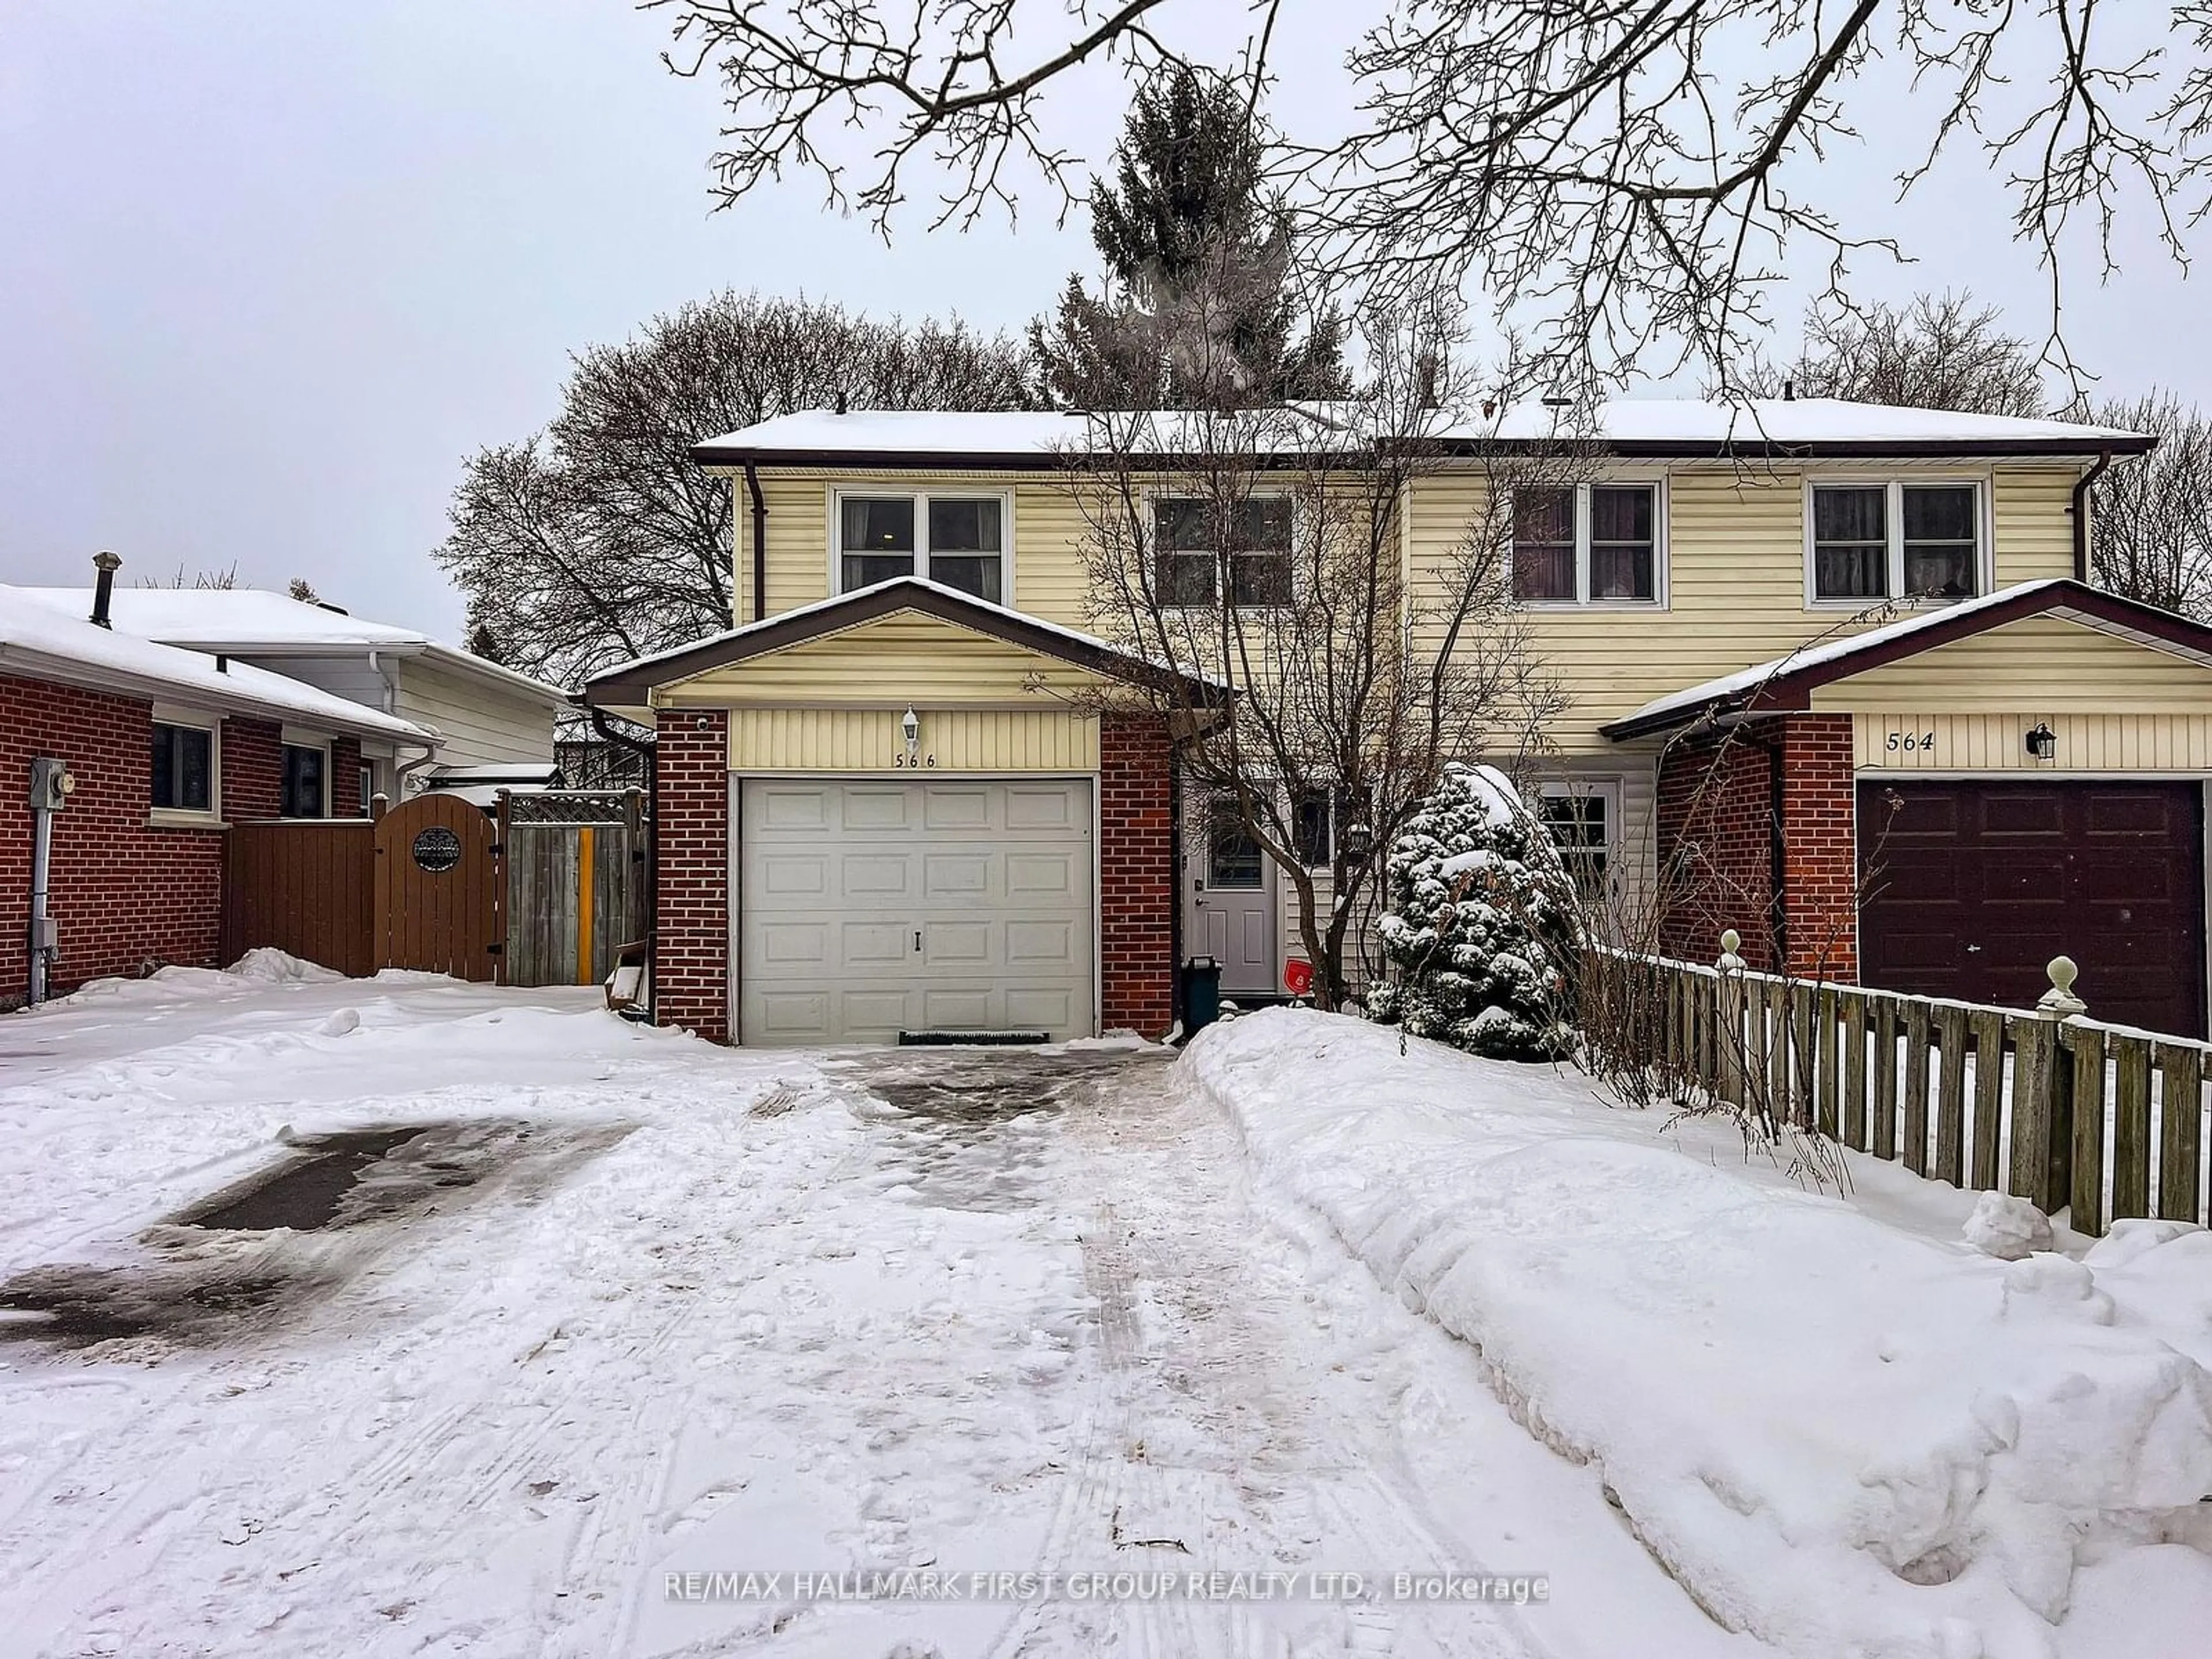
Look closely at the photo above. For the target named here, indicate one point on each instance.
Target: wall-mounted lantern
(910, 727)
(2042, 742)
(1358, 840)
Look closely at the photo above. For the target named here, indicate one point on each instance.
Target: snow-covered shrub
(1480, 924)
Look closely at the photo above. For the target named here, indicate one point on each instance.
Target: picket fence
(2061, 1110)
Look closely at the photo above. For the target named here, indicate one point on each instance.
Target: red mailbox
(1298, 977)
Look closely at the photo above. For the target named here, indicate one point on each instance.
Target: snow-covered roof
(255, 620)
(1655, 426)
(40, 640)
(2057, 595)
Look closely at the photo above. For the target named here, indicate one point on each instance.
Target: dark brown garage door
(1972, 887)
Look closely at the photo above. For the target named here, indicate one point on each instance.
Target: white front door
(1233, 901)
(866, 908)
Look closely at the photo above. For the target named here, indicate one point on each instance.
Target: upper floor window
(307, 769)
(1587, 544)
(958, 540)
(1200, 542)
(184, 769)
(1883, 541)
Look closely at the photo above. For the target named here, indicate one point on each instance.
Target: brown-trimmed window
(1205, 546)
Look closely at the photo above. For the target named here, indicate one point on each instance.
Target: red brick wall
(1136, 876)
(691, 847)
(125, 896)
(1715, 826)
(1715, 872)
(252, 770)
(1820, 860)
(345, 778)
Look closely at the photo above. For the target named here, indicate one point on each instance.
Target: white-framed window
(1583, 816)
(186, 781)
(1209, 549)
(1867, 540)
(305, 776)
(960, 538)
(1601, 543)
(368, 788)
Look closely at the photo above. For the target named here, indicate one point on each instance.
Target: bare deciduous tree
(1636, 171)
(600, 538)
(1264, 548)
(1937, 352)
(200, 582)
(2151, 516)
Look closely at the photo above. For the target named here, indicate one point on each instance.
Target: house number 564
(1911, 743)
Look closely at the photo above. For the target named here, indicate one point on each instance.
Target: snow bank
(1840, 1437)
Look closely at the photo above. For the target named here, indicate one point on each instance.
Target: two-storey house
(1833, 674)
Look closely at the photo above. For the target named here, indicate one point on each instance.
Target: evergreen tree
(1480, 924)
(1198, 306)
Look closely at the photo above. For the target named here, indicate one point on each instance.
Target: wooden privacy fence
(418, 886)
(308, 888)
(576, 882)
(2047, 1104)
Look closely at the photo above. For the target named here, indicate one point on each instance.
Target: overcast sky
(267, 276)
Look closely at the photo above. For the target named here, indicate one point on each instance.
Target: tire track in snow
(1204, 1423)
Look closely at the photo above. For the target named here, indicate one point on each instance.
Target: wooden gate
(439, 907)
(575, 882)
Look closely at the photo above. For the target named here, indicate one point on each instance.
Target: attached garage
(872, 908)
(1973, 885)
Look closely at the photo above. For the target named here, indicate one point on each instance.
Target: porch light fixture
(910, 725)
(1358, 840)
(2042, 742)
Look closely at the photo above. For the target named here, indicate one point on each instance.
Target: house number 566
(1911, 743)
(902, 761)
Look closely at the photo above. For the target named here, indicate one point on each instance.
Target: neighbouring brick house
(165, 748)
(1830, 675)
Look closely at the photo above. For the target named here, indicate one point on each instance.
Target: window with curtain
(875, 538)
(1623, 561)
(1851, 542)
(1544, 545)
(1895, 540)
(965, 550)
(1942, 540)
(1197, 542)
(956, 540)
(1598, 542)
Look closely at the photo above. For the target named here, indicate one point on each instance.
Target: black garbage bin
(1202, 993)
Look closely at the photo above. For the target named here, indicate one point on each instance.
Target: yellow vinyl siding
(1047, 534)
(1997, 742)
(870, 740)
(1735, 586)
(2040, 662)
(2033, 513)
(905, 658)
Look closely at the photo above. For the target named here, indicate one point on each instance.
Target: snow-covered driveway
(719, 1313)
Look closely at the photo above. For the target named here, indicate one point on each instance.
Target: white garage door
(868, 908)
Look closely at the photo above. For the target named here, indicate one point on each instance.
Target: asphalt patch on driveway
(242, 1260)
(974, 1127)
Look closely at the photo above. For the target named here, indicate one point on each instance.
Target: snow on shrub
(1480, 924)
